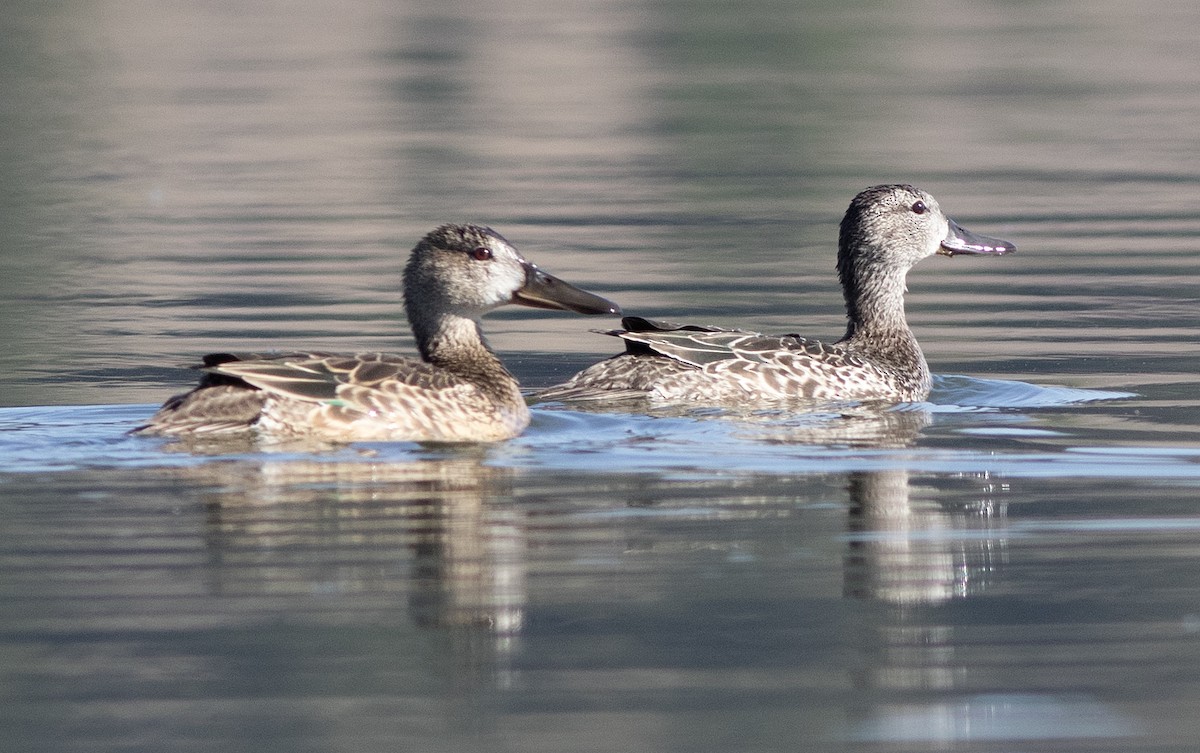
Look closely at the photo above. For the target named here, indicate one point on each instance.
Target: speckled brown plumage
(459, 391)
(885, 231)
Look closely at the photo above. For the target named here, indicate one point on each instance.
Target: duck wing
(701, 346)
(329, 377)
(701, 363)
(376, 396)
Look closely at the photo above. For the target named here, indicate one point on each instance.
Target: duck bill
(959, 240)
(545, 291)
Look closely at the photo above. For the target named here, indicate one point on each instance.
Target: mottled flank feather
(458, 392)
(692, 364)
(363, 397)
(886, 230)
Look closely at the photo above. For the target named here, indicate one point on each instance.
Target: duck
(885, 231)
(457, 391)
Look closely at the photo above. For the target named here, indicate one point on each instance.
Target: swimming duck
(458, 391)
(885, 231)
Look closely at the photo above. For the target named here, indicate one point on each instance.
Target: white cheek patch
(506, 279)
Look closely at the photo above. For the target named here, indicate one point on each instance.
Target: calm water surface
(1012, 566)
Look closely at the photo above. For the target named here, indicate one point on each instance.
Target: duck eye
(919, 207)
(482, 253)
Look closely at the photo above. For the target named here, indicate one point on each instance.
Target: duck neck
(457, 345)
(876, 320)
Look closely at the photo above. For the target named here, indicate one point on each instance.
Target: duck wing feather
(328, 377)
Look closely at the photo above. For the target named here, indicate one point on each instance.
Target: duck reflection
(438, 535)
(910, 549)
(909, 552)
(914, 541)
(907, 545)
(859, 427)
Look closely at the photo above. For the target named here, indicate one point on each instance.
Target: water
(1010, 566)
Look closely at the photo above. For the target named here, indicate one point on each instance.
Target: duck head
(895, 226)
(889, 228)
(468, 270)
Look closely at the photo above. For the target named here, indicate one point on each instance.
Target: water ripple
(972, 392)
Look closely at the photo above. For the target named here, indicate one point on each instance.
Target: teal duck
(459, 391)
(885, 231)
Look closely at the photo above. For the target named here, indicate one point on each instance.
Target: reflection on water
(424, 587)
(910, 554)
(907, 552)
(442, 535)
